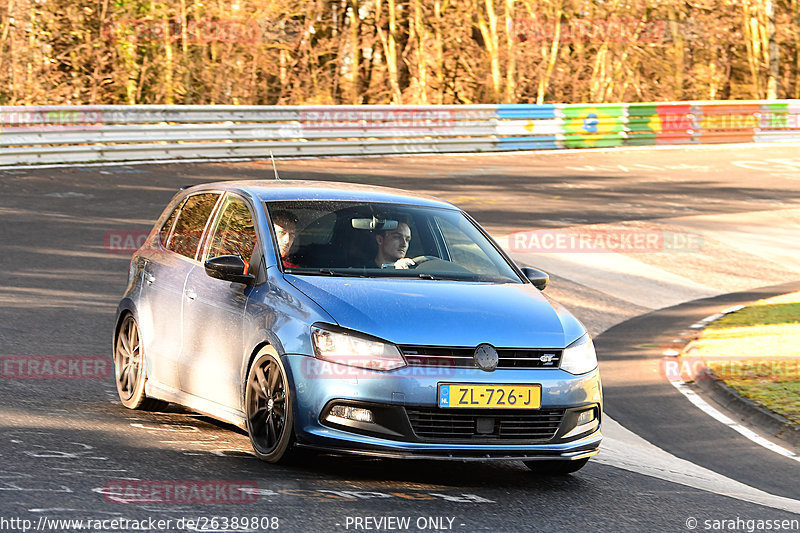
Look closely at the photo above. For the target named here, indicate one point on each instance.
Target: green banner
(644, 124)
(593, 126)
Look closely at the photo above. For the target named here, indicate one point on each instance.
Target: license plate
(494, 396)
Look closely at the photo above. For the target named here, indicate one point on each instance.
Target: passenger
(393, 245)
(285, 224)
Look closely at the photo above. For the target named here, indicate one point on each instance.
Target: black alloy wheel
(268, 409)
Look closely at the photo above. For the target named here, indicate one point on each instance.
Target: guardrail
(75, 134)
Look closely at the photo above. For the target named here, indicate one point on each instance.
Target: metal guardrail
(75, 134)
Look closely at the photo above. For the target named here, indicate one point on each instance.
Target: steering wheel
(431, 263)
(423, 259)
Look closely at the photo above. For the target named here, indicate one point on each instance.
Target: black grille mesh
(463, 424)
(462, 357)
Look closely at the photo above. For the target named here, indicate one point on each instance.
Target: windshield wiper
(313, 271)
(325, 272)
(425, 275)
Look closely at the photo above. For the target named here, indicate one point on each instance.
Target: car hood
(443, 313)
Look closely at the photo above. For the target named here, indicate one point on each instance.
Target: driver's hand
(405, 262)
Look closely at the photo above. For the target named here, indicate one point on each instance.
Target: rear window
(165, 230)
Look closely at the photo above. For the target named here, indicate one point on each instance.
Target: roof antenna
(274, 167)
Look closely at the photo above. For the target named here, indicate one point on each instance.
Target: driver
(285, 224)
(393, 245)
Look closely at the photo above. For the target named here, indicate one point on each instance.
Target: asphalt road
(65, 443)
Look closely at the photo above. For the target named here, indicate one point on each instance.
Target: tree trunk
(678, 52)
(796, 32)
(169, 68)
(98, 56)
(422, 67)
(773, 52)
(511, 67)
(488, 29)
(29, 96)
(389, 42)
(753, 46)
(552, 57)
(439, 45)
(186, 67)
(355, 54)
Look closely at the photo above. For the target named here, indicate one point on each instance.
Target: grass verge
(756, 351)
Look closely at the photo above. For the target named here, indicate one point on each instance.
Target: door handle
(191, 294)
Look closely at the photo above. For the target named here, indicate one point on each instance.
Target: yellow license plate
(494, 396)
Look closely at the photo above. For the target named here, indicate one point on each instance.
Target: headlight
(579, 357)
(353, 350)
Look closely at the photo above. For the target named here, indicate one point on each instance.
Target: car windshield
(337, 238)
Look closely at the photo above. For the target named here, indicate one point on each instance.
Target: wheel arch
(266, 339)
(126, 307)
(276, 348)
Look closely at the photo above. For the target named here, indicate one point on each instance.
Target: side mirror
(228, 268)
(538, 277)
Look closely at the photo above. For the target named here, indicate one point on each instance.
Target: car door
(213, 311)
(165, 274)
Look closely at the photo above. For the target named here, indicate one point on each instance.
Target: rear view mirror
(228, 268)
(374, 224)
(538, 277)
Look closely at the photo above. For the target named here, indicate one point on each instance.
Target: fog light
(585, 417)
(587, 421)
(346, 412)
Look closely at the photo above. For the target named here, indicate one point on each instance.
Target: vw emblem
(486, 357)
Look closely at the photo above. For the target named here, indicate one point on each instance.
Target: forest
(291, 52)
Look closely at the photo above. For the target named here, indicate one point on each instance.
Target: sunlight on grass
(757, 352)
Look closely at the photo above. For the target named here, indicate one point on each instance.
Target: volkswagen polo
(354, 319)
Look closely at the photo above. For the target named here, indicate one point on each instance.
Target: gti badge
(547, 359)
(486, 357)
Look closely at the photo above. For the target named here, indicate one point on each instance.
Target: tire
(268, 409)
(129, 368)
(556, 468)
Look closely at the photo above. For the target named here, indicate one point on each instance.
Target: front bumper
(586, 447)
(392, 395)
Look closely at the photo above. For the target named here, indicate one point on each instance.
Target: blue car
(354, 319)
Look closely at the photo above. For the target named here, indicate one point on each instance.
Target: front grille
(463, 424)
(463, 357)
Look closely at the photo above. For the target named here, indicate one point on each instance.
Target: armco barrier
(75, 134)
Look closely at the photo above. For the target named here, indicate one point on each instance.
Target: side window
(191, 222)
(167, 227)
(234, 233)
